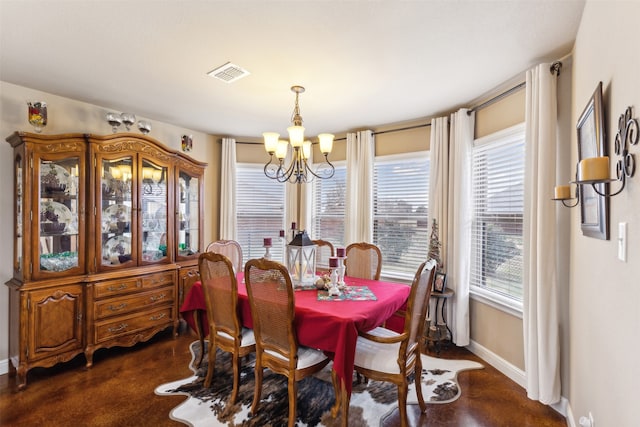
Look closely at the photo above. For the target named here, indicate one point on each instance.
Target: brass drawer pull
(119, 288)
(122, 326)
(158, 317)
(118, 307)
(155, 298)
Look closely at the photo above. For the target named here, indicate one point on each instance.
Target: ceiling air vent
(228, 73)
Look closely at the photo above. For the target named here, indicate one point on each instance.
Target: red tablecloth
(331, 326)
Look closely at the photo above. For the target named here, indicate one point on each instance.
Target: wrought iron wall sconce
(595, 170)
(563, 194)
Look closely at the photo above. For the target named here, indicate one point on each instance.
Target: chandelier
(298, 171)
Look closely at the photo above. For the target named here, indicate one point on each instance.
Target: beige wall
(67, 115)
(605, 292)
(507, 112)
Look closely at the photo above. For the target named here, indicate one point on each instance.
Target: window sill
(496, 301)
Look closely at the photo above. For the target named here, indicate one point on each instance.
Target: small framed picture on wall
(440, 282)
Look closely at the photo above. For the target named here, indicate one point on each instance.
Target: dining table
(330, 324)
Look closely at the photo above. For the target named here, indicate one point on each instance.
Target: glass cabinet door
(154, 199)
(18, 268)
(58, 215)
(188, 206)
(115, 216)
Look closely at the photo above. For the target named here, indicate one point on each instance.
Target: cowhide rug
(369, 401)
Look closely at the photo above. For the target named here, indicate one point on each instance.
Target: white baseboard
(511, 371)
(571, 422)
(515, 374)
(4, 366)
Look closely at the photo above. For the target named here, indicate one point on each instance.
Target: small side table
(439, 331)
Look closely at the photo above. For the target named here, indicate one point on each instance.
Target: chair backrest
(271, 298)
(229, 248)
(220, 293)
(417, 304)
(364, 260)
(324, 250)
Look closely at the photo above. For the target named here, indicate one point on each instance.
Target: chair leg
(211, 362)
(236, 378)
(402, 404)
(418, 384)
(258, 388)
(293, 397)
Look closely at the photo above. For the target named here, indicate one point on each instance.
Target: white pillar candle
(563, 192)
(594, 169)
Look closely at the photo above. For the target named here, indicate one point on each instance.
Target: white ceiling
(363, 63)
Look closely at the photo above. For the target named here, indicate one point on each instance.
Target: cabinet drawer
(116, 287)
(133, 323)
(156, 280)
(126, 304)
(132, 284)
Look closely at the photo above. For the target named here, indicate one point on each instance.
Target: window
(328, 206)
(260, 211)
(400, 205)
(498, 207)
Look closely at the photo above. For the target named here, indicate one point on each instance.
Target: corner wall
(605, 292)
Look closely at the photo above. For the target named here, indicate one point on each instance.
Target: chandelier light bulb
(296, 136)
(281, 149)
(306, 150)
(326, 142)
(270, 141)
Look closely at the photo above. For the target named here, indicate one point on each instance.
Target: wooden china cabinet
(108, 230)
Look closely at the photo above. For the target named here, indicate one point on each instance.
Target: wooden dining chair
(226, 332)
(229, 248)
(385, 355)
(324, 250)
(364, 260)
(271, 299)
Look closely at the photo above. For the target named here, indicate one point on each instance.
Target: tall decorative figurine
(434, 246)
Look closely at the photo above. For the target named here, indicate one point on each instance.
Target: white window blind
(328, 206)
(401, 202)
(498, 206)
(260, 211)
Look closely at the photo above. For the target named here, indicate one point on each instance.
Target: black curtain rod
(554, 69)
(497, 98)
(393, 130)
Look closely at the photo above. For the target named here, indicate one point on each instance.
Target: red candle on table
(281, 233)
(293, 225)
(333, 262)
(267, 241)
(340, 252)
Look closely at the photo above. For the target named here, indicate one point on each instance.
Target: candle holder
(341, 270)
(563, 194)
(625, 167)
(267, 247)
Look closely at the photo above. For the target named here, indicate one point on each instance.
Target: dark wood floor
(118, 391)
